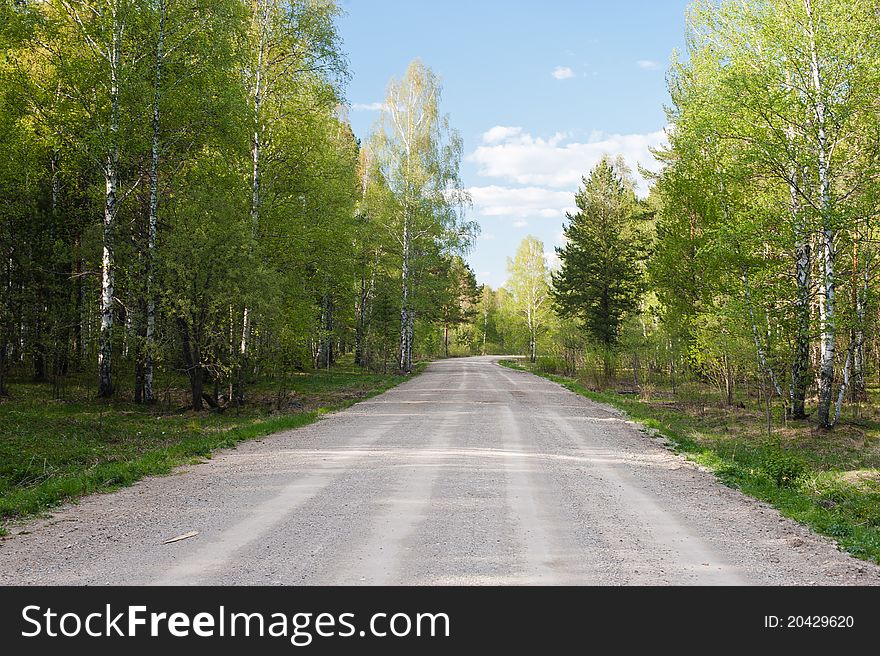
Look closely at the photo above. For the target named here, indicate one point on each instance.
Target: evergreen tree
(601, 278)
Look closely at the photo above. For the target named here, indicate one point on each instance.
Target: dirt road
(468, 474)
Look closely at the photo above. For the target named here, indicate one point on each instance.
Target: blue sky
(538, 90)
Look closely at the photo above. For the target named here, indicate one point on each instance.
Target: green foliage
(782, 467)
(600, 280)
(412, 192)
(551, 364)
(758, 195)
(529, 286)
(250, 234)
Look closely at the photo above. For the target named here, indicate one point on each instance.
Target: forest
(184, 199)
(188, 225)
(751, 265)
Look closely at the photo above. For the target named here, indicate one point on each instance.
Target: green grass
(828, 482)
(54, 451)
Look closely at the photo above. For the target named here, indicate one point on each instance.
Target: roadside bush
(781, 467)
(551, 364)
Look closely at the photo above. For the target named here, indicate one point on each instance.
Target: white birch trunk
(410, 328)
(485, 330)
(153, 221)
(529, 325)
(843, 385)
(256, 150)
(828, 338)
(800, 366)
(405, 345)
(111, 176)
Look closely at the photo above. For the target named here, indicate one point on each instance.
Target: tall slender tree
(601, 278)
(418, 155)
(529, 285)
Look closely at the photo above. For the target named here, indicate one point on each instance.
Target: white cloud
(648, 64)
(552, 260)
(562, 73)
(515, 156)
(521, 203)
(514, 134)
(520, 223)
(368, 107)
(486, 236)
(500, 133)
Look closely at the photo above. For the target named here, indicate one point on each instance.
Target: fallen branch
(184, 536)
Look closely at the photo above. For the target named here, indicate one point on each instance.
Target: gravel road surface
(467, 474)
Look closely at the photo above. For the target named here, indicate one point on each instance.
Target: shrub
(782, 467)
(551, 364)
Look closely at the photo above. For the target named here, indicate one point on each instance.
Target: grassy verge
(830, 482)
(54, 451)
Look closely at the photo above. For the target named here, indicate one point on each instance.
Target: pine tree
(601, 278)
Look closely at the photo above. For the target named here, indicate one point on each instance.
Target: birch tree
(418, 155)
(153, 212)
(93, 45)
(171, 163)
(529, 286)
(785, 87)
(292, 45)
(193, 58)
